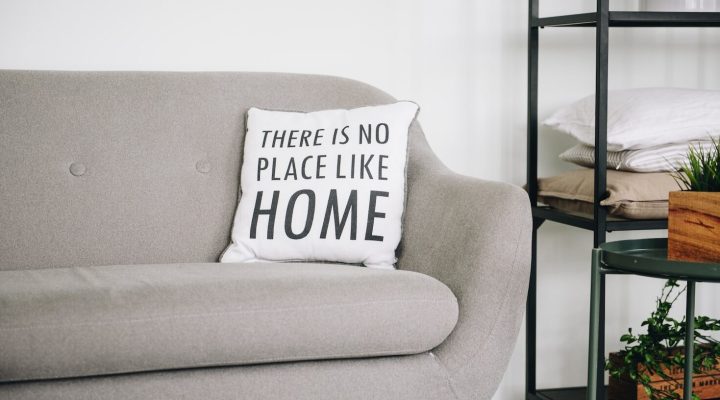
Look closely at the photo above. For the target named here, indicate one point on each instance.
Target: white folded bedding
(664, 158)
(644, 118)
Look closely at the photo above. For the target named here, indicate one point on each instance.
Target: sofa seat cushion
(70, 322)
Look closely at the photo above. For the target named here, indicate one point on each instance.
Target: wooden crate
(694, 226)
(705, 384)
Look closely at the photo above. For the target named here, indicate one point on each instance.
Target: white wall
(463, 61)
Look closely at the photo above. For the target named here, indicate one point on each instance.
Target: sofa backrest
(103, 168)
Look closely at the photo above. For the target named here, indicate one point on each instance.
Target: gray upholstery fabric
(139, 143)
(480, 247)
(69, 322)
(143, 140)
(417, 377)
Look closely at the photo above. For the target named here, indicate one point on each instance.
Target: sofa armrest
(474, 236)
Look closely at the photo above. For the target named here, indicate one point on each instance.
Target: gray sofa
(117, 193)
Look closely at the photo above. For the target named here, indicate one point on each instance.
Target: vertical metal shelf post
(602, 40)
(689, 341)
(532, 157)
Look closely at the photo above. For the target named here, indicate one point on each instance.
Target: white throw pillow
(665, 158)
(642, 118)
(323, 186)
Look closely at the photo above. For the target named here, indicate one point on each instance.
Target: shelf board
(586, 221)
(634, 19)
(570, 393)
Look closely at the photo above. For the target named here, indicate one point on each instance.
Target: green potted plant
(694, 211)
(651, 364)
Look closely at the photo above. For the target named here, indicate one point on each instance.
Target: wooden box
(694, 226)
(705, 384)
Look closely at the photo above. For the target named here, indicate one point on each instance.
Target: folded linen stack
(648, 130)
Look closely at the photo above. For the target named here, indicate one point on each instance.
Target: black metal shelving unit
(599, 222)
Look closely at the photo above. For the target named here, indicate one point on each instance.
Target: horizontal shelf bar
(586, 221)
(664, 19)
(586, 19)
(636, 19)
(636, 224)
(572, 219)
(570, 393)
